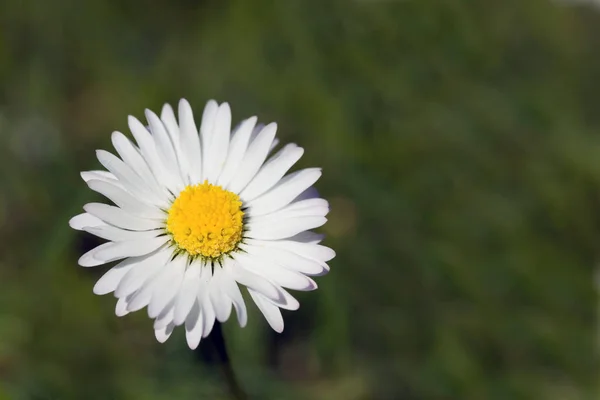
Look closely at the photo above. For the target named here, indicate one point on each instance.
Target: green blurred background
(460, 143)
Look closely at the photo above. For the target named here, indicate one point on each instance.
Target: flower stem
(224, 363)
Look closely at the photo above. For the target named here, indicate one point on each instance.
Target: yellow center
(206, 220)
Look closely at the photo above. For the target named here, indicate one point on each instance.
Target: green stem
(224, 362)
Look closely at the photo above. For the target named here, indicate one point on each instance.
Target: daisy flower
(199, 214)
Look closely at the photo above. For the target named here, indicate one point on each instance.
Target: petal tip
(73, 223)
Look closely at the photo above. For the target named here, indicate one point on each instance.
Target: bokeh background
(460, 143)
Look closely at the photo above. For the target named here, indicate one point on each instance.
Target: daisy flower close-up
(198, 215)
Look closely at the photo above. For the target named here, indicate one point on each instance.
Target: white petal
(166, 316)
(261, 264)
(89, 260)
(100, 175)
(133, 158)
(171, 279)
(168, 118)
(309, 250)
(291, 257)
(219, 144)
(272, 313)
(202, 282)
(283, 228)
(166, 152)
(273, 145)
(231, 290)
(121, 307)
(109, 281)
(142, 297)
(320, 208)
(301, 205)
(207, 314)
(285, 191)
(193, 326)
(133, 248)
(273, 292)
(85, 220)
(163, 334)
(221, 303)
(126, 201)
(115, 234)
(253, 159)
(307, 237)
(131, 181)
(252, 280)
(306, 203)
(190, 141)
(273, 170)
(120, 218)
(310, 193)
(150, 153)
(256, 131)
(187, 293)
(289, 302)
(237, 149)
(162, 140)
(206, 130)
(122, 172)
(146, 268)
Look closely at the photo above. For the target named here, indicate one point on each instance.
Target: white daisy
(198, 213)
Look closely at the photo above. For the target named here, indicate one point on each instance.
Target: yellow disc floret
(206, 220)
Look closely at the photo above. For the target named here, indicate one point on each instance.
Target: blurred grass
(459, 142)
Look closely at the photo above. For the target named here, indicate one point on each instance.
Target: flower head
(199, 213)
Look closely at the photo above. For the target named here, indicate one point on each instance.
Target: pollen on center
(206, 220)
